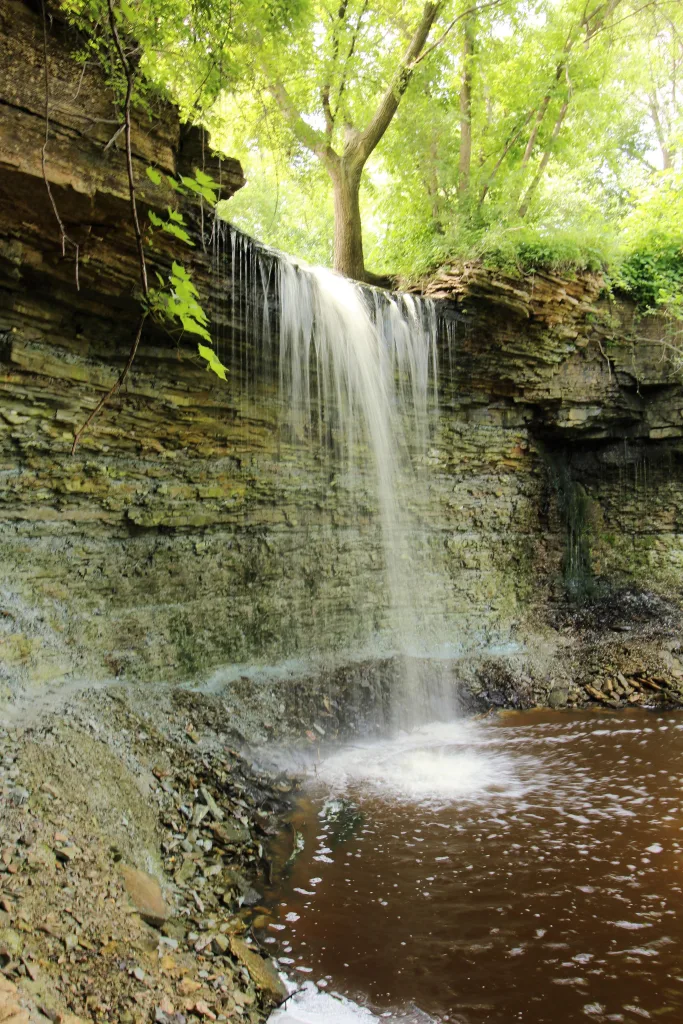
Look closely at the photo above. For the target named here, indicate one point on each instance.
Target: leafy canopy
(533, 132)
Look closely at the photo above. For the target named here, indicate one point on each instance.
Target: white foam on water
(311, 1006)
(436, 764)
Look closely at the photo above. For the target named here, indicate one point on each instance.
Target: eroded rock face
(185, 534)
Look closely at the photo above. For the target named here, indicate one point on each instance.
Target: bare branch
(129, 152)
(64, 238)
(115, 387)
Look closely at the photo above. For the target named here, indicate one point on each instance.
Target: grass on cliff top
(638, 249)
(647, 265)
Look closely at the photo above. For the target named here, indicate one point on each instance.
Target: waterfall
(356, 369)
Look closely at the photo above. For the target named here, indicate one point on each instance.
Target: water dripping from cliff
(354, 375)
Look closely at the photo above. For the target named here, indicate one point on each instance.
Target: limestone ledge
(588, 367)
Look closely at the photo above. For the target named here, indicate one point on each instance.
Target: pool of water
(525, 868)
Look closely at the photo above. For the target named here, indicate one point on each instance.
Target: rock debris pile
(131, 860)
(639, 688)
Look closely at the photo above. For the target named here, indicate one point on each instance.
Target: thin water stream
(524, 868)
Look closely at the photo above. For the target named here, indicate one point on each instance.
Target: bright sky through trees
(386, 136)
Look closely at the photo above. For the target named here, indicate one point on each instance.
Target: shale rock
(262, 972)
(145, 893)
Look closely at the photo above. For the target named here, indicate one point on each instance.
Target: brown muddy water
(523, 868)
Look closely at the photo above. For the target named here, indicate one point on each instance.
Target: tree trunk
(524, 207)
(348, 232)
(346, 169)
(465, 161)
(667, 162)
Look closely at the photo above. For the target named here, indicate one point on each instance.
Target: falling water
(357, 377)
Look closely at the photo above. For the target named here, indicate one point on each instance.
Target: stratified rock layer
(190, 533)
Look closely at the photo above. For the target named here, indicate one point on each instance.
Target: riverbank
(133, 852)
(137, 841)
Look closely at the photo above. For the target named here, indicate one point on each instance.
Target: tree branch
(449, 28)
(524, 205)
(127, 70)
(352, 47)
(327, 110)
(307, 136)
(367, 140)
(508, 146)
(64, 238)
(545, 103)
(115, 387)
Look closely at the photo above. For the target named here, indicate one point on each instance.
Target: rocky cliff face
(184, 537)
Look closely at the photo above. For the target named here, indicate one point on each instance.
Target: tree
(342, 146)
(439, 126)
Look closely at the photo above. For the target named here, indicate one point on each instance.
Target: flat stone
(145, 893)
(67, 853)
(232, 831)
(186, 871)
(263, 972)
(188, 986)
(221, 943)
(211, 804)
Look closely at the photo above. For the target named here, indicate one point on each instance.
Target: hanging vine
(177, 299)
(64, 238)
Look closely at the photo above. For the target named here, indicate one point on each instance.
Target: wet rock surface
(101, 812)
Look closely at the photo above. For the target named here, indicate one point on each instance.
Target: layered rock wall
(190, 533)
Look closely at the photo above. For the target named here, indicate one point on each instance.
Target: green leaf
(204, 179)
(200, 190)
(173, 229)
(155, 219)
(214, 363)
(175, 185)
(192, 327)
(179, 271)
(153, 175)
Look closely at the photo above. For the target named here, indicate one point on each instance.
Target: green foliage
(177, 299)
(574, 110)
(187, 50)
(562, 250)
(547, 186)
(651, 270)
(294, 216)
(653, 273)
(173, 225)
